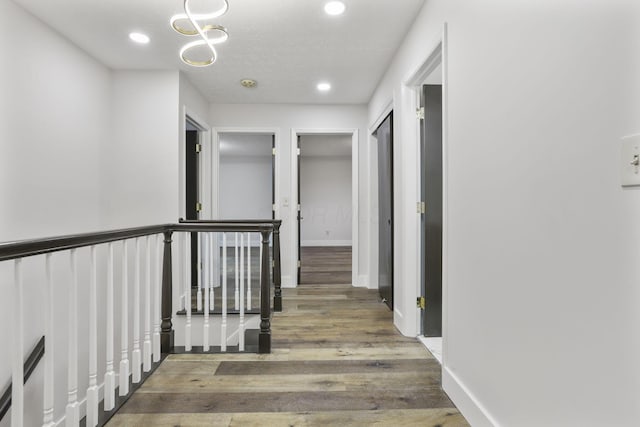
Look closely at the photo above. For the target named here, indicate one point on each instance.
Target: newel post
(277, 274)
(166, 332)
(264, 339)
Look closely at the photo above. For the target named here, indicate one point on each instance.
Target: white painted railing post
(205, 283)
(136, 356)
(47, 418)
(92, 391)
(241, 324)
(72, 414)
(17, 371)
(223, 327)
(124, 334)
(109, 376)
(147, 306)
(187, 280)
(210, 260)
(235, 256)
(248, 271)
(157, 318)
(199, 274)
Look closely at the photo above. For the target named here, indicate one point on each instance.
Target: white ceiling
(286, 45)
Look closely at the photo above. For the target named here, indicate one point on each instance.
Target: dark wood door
(192, 194)
(384, 134)
(431, 171)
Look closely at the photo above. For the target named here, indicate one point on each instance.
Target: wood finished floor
(337, 360)
(325, 265)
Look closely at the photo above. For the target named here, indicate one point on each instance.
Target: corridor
(337, 360)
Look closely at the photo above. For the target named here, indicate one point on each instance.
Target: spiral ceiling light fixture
(187, 24)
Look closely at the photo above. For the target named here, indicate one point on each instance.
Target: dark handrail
(26, 248)
(277, 270)
(29, 366)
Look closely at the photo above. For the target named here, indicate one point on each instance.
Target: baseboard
(464, 400)
(287, 282)
(325, 243)
(362, 281)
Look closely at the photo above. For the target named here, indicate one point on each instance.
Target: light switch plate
(629, 170)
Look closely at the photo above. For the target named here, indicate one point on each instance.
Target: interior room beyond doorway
(325, 184)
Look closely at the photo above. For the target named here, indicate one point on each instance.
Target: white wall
(285, 118)
(142, 186)
(541, 302)
(325, 184)
(54, 123)
(245, 187)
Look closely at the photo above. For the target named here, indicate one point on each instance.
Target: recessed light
(334, 8)
(324, 87)
(139, 38)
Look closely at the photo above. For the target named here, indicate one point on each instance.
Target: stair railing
(152, 286)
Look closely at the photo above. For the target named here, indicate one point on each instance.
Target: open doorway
(193, 202)
(246, 176)
(429, 89)
(325, 215)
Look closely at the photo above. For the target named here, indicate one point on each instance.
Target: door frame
(412, 85)
(355, 196)
(205, 179)
(215, 161)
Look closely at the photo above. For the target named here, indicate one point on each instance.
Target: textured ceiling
(286, 45)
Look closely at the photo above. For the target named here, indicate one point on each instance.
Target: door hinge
(273, 207)
(298, 151)
(198, 207)
(198, 148)
(421, 303)
(273, 151)
(421, 207)
(420, 113)
(298, 207)
(299, 264)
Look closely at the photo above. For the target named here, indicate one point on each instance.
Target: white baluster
(187, 281)
(205, 283)
(72, 414)
(199, 275)
(136, 355)
(17, 371)
(109, 376)
(248, 271)
(260, 263)
(241, 325)
(124, 337)
(147, 306)
(223, 327)
(47, 419)
(184, 265)
(235, 255)
(92, 391)
(156, 295)
(211, 260)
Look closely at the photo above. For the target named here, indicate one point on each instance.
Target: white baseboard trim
(363, 281)
(465, 401)
(326, 243)
(287, 282)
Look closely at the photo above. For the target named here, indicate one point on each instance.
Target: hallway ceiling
(288, 46)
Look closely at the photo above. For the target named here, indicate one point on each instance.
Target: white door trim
(355, 196)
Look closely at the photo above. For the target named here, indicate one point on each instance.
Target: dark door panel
(431, 167)
(384, 134)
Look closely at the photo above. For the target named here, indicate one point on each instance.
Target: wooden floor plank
(407, 417)
(337, 360)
